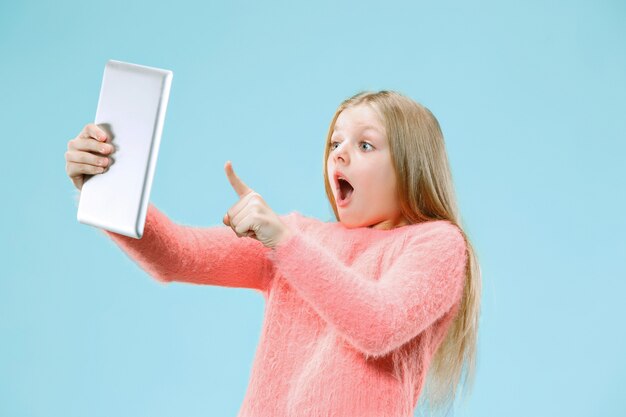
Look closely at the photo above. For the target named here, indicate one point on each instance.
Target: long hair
(426, 193)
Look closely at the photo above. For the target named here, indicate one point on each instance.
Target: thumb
(226, 220)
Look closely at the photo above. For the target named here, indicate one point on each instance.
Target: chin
(346, 224)
(378, 224)
(351, 224)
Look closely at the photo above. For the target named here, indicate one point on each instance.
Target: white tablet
(131, 109)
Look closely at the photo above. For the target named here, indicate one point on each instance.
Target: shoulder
(438, 234)
(440, 245)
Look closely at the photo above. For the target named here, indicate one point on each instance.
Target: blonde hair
(426, 193)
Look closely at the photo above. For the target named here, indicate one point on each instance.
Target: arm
(208, 255)
(376, 317)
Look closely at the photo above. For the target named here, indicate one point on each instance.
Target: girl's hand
(251, 216)
(84, 154)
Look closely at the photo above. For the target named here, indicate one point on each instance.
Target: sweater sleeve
(378, 316)
(199, 255)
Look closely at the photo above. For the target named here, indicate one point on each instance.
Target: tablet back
(131, 109)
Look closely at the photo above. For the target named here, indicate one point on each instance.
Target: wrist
(287, 234)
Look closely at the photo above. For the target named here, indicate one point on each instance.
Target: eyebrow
(364, 130)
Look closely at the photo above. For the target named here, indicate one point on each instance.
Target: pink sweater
(352, 318)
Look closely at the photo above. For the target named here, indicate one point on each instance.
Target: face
(359, 152)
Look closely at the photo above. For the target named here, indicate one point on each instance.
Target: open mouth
(345, 189)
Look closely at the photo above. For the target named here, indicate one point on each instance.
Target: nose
(341, 153)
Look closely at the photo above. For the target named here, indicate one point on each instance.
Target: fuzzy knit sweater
(352, 316)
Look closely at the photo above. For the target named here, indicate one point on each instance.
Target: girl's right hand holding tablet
(86, 154)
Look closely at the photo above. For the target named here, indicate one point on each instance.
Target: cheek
(384, 186)
(378, 185)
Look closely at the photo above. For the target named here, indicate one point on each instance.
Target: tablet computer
(131, 109)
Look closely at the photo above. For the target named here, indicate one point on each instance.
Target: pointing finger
(240, 187)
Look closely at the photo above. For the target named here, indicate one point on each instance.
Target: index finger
(240, 187)
(93, 131)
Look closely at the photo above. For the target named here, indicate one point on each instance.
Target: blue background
(531, 99)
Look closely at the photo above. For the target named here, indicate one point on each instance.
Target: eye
(333, 143)
(368, 144)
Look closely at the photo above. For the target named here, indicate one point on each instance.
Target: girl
(363, 315)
